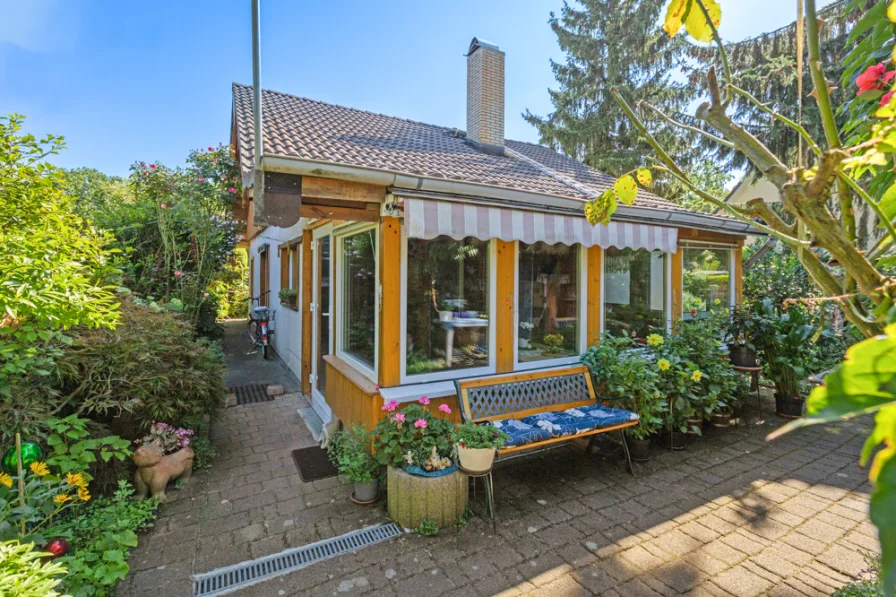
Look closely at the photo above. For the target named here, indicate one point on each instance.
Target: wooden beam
(709, 237)
(306, 310)
(328, 188)
(505, 297)
(677, 283)
(739, 274)
(326, 212)
(390, 310)
(592, 311)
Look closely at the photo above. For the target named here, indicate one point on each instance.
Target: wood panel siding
(685, 234)
(677, 283)
(329, 188)
(330, 212)
(306, 310)
(390, 309)
(593, 288)
(505, 289)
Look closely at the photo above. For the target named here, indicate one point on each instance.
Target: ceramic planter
(412, 498)
(638, 449)
(366, 492)
(789, 407)
(446, 315)
(475, 460)
(742, 356)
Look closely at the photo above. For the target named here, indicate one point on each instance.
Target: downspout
(258, 174)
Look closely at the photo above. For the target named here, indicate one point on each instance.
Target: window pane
(707, 280)
(359, 296)
(447, 304)
(548, 302)
(635, 288)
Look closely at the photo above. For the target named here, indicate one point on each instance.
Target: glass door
(321, 324)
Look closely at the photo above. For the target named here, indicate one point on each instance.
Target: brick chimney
(485, 96)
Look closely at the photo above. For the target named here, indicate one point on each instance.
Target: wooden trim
(390, 308)
(352, 374)
(685, 234)
(306, 310)
(565, 438)
(329, 188)
(677, 281)
(251, 278)
(504, 289)
(339, 213)
(317, 224)
(264, 284)
(738, 274)
(284, 269)
(592, 312)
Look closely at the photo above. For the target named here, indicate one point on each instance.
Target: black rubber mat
(313, 464)
(252, 393)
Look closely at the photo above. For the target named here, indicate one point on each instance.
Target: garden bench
(541, 409)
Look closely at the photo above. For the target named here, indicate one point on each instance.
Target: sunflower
(61, 498)
(39, 468)
(663, 364)
(76, 479)
(697, 376)
(83, 494)
(655, 339)
(6, 480)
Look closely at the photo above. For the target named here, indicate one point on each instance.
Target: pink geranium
(231, 190)
(398, 417)
(420, 423)
(424, 401)
(164, 206)
(178, 273)
(390, 406)
(445, 408)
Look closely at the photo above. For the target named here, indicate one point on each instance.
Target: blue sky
(126, 81)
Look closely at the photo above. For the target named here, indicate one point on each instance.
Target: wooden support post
(738, 271)
(592, 312)
(505, 290)
(677, 283)
(390, 308)
(307, 281)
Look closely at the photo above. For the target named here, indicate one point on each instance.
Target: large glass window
(707, 281)
(359, 296)
(447, 305)
(548, 302)
(634, 291)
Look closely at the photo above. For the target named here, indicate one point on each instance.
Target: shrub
(150, 369)
(24, 573)
(350, 452)
(413, 437)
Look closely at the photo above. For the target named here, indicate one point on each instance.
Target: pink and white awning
(428, 219)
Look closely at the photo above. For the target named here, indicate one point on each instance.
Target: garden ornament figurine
(154, 469)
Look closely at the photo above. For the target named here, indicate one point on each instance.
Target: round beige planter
(475, 460)
(413, 499)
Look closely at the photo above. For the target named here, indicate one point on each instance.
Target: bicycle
(259, 332)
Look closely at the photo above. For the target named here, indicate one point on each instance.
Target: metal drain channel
(251, 394)
(228, 579)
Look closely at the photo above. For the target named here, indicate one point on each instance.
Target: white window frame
(732, 285)
(581, 314)
(339, 237)
(667, 307)
(318, 400)
(492, 306)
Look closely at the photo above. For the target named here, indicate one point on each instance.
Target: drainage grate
(229, 579)
(251, 393)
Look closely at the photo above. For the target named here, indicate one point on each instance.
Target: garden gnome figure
(154, 469)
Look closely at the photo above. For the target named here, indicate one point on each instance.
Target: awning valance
(428, 219)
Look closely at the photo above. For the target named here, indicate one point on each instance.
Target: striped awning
(428, 219)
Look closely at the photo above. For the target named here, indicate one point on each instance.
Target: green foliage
(56, 269)
(625, 377)
(868, 583)
(101, 536)
(204, 452)
(169, 438)
(350, 452)
(25, 573)
(74, 450)
(471, 435)
(427, 528)
(783, 342)
(710, 177)
(399, 439)
(160, 372)
(231, 286)
(554, 343)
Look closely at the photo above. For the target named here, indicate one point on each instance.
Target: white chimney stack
(485, 96)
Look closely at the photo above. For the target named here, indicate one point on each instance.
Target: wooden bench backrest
(524, 394)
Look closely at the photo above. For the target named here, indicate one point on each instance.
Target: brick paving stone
(741, 582)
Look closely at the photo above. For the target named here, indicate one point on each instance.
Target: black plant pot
(695, 425)
(789, 407)
(720, 420)
(742, 356)
(671, 441)
(638, 449)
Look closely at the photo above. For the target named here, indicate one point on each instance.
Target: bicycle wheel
(254, 332)
(265, 352)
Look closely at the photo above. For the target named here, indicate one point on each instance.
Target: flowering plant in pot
(623, 373)
(476, 445)
(349, 450)
(169, 438)
(740, 334)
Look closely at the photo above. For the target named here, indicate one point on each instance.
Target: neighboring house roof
(305, 129)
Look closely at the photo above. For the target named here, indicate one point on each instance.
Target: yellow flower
(76, 479)
(655, 339)
(61, 498)
(718, 301)
(663, 364)
(697, 376)
(40, 469)
(6, 480)
(83, 494)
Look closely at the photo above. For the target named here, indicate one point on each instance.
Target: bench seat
(571, 422)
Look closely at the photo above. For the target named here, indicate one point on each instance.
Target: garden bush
(151, 368)
(25, 573)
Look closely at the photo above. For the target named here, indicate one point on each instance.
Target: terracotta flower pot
(475, 460)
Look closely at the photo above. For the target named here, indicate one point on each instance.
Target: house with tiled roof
(401, 256)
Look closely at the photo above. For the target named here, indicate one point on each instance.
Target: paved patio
(732, 515)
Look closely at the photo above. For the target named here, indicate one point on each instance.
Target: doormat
(251, 394)
(313, 464)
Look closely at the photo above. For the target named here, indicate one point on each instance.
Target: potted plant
(527, 327)
(349, 451)
(476, 446)
(784, 342)
(622, 373)
(287, 296)
(416, 447)
(741, 331)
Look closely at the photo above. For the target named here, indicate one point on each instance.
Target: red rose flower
(210, 148)
(152, 165)
(885, 100)
(874, 77)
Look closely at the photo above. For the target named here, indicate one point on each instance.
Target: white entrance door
(322, 336)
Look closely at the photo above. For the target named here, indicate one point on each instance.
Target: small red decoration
(57, 547)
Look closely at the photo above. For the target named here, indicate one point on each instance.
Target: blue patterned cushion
(573, 421)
